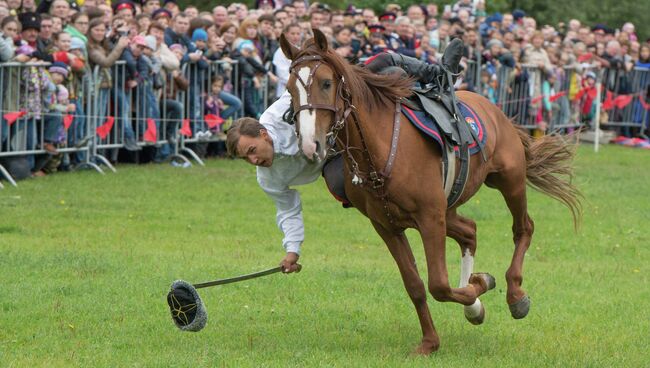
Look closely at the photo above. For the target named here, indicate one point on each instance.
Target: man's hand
(290, 263)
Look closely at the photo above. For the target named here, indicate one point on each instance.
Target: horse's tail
(549, 169)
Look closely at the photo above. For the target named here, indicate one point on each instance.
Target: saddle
(456, 135)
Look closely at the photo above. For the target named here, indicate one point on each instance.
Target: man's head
(249, 140)
(60, 8)
(46, 27)
(220, 15)
(149, 6)
(181, 24)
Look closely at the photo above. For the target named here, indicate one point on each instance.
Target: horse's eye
(327, 84)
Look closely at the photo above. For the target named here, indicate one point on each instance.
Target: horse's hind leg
(403, 255)
(511, 182)
(463, 231)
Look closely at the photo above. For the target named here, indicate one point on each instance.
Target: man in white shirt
(271, 145)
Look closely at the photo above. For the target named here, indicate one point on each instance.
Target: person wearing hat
(124, 9)
(172, 7)
(31, 26)
(162, 16)
(56, 103)
(376, 42)
(150, 6)
(200, 40)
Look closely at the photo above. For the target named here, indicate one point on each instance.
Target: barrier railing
(110, 116)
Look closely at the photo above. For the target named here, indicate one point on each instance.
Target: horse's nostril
(317, 146)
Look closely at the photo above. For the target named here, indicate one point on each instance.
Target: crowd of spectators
(156, 39)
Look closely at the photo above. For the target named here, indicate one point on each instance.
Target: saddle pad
(427, 125)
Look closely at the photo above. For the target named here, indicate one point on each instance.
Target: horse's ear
(289, 50)
(320, 39)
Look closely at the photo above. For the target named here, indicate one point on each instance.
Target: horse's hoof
(490, 281)
(425, 348)
(475, 314)
(520, 308)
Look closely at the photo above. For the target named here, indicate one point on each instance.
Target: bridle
(342, 93)
(374, 177)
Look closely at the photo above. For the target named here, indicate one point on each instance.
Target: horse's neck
(372, 133)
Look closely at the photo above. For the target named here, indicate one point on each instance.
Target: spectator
(9, 28)
(281, 63)
(220, 15)
(162, 16)
(150, 6)
(78, 26)
(104, 53)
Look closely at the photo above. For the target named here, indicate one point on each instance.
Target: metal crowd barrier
(26, 123)
(626, 100)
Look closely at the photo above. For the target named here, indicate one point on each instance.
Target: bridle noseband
(340, 114)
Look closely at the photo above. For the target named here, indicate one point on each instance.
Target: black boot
(421, 71)
(453, 54)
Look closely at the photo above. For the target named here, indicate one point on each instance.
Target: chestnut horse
(353, 109)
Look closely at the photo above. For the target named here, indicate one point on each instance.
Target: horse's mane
(368, 89)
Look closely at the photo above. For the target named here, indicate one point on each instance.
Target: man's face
(337, 21)
(192, 12)
(368, 16)
(317, 20)
(29, 35)
(46, 29)
(257, 151)
(60, 9)
(404, 29)
(150, 6)
(181, 25)
(266, 28)
(220, 15)
(294, 35)
(300, 8)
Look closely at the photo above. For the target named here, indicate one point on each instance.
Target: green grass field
(86, 261)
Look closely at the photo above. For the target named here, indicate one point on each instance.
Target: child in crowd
(214, 104)
(200, 40)
(488, 83)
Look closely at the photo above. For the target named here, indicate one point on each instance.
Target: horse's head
(318, 94)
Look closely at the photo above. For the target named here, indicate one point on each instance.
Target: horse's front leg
(401, 250)
(432, 227)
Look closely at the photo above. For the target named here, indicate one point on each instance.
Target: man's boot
(421, 71)
(453, 54)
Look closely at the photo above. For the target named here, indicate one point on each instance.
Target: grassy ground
(86, 261)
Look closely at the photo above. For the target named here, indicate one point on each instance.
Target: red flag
(556, 96)
(150, 135)
(213, 120)
(11, 117)
(67, 121)
(104, 129)
(608, 104)
(185, 129)
(536, 99)
(622, 101)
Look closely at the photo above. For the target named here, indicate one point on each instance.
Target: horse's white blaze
(466, 268)
(306, 118)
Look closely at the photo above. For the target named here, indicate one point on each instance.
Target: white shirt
(282, 66)
(290, 167)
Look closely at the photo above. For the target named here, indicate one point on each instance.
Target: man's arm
(288, 217)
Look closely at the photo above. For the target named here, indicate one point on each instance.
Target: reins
(376, 178)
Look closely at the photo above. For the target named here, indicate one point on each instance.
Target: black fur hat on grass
(188, 311)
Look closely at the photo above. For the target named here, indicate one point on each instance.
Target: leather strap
(397, 123)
